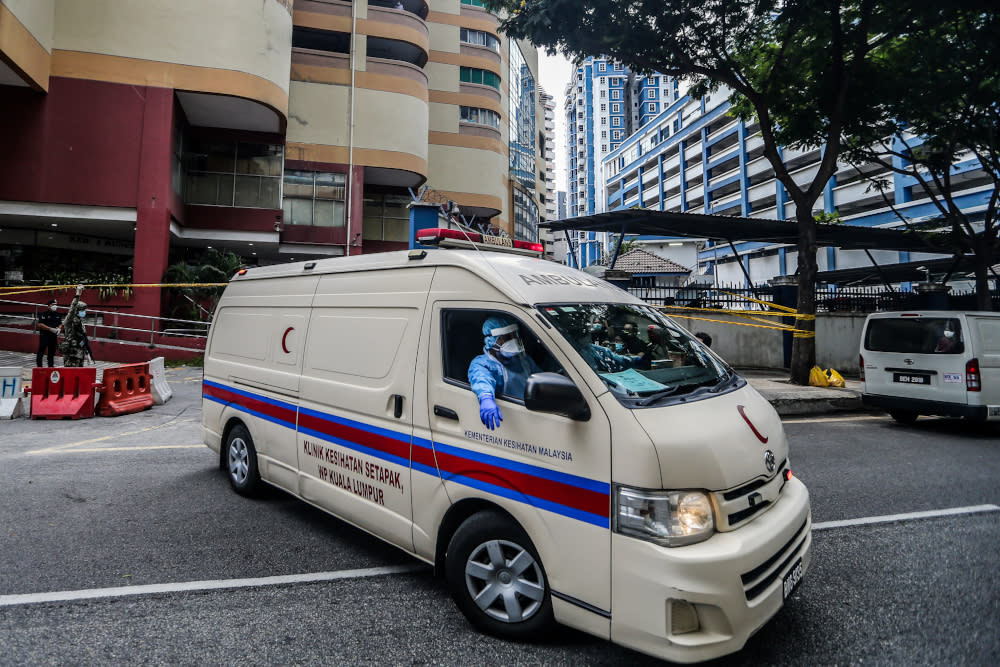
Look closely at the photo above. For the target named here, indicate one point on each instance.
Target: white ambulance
(632, 485)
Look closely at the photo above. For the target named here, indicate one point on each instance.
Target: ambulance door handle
(397, 406)
(447, 413)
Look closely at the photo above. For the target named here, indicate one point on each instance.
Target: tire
(903, 416)
(496, 578)
(241, 462)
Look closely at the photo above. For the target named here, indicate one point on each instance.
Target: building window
(480, 76)
(651, 107)
(616, 94)
(474, 3)
(616, 134)
(602, 67)
(313, 198)
(651, 80)
(604, 107)
(386, 218)
(604, 80)
(480, 116)
(321, 40)
(604, 120)
(232, 173)
(616, 121)
(579, 115)
(604, 148)
(604, 134)
(616, 107)
(603, 95)
(479, 38)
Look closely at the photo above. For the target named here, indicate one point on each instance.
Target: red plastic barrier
(126, 389)
(63, 393)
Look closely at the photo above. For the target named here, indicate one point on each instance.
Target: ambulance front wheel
(241, 462)
(496, 578)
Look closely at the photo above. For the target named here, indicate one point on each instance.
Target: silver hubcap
(505, 581)
(238, 460)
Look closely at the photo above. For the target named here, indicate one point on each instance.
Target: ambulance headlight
(668, 518)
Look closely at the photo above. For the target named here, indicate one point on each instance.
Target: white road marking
(59, 448)
(846, 418)
(117, 449)
(222, 584)
(909, 516)
(216, 584)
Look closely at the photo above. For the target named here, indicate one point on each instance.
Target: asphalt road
(137, 501)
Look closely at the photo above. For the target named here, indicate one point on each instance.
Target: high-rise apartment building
(280, 129)
(694, 157)
(604, 104)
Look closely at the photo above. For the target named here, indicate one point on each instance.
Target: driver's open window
(462, 340)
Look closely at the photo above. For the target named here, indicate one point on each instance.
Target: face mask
(949, 334)
(82, 313)
(511, 348)
(596, 326)
(619, 347)
(52, 307)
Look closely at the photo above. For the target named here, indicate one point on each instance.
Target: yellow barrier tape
(776, 327)
(766, 303)
(9, 291)
(759, 313)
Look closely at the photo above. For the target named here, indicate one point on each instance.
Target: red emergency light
(462, 239)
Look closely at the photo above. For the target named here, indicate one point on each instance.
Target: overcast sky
(554, 72)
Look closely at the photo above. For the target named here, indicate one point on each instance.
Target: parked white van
(641, 494)
(933, 362)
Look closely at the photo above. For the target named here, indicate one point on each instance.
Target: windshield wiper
(652, 398)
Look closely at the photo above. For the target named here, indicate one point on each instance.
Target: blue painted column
(741, 133)
(704, 164)
(422, 216)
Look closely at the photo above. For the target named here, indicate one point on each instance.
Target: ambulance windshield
(643, 357)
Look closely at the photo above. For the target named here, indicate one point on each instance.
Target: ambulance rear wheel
(241, 462)
(497, 579)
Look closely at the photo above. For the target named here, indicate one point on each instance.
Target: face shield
(507, 340)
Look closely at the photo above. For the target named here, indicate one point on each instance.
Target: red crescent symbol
(750, 424)
(291, 329)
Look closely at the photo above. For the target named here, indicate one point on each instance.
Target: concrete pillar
(153, 196)
(786, 293)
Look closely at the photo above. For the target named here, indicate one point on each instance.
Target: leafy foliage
(208, 266)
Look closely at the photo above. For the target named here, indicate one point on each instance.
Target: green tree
(798, 67)
(940, 126)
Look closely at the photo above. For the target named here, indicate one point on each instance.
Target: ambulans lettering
(556, 279)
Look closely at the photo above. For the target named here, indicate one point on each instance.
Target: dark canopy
(733, 229)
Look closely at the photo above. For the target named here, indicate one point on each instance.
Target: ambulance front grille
(757, 580)
(737, 506)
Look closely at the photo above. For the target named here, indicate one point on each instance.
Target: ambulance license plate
(792, 579)
(910, 378)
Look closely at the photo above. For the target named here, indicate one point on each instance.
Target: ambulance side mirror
(555, 394)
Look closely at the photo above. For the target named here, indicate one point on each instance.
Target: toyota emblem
(769, 460)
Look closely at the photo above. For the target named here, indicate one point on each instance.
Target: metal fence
(734, 297)
(867, 299)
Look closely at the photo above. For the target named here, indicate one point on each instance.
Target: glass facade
(386, 217)
(480, 116)
(232, 173)
(522, 145)
(314, 198)
(480, 76)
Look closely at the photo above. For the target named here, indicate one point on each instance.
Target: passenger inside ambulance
(502, 368)
(672, 365)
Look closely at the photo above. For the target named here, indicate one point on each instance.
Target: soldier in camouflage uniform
(75, 347)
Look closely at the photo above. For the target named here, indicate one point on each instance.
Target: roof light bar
(457, 238)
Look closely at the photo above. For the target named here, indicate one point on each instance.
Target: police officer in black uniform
(49, 324)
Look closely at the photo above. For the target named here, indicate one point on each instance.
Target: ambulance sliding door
(355, 417)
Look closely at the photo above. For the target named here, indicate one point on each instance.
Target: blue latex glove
(489, 412)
